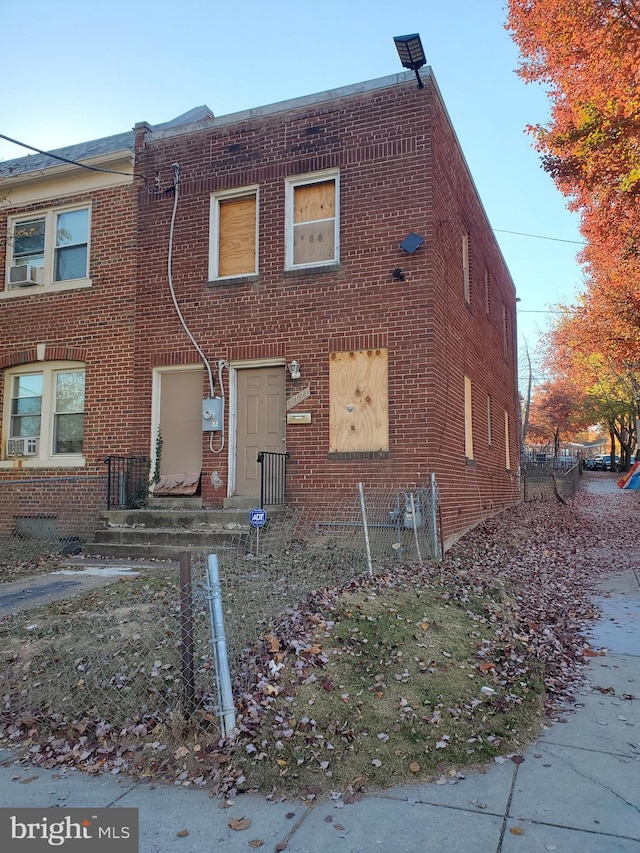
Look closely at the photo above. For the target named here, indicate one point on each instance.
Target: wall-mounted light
(397, 274)
(411, 54)
(294, 369)
(412, 242)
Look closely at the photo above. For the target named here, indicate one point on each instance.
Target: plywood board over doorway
(181, 431)
(358, 401)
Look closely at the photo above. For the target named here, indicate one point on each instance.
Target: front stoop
(165, 533)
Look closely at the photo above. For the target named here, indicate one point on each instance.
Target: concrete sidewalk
(577, 790)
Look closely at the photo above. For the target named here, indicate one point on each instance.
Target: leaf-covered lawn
(420, 673)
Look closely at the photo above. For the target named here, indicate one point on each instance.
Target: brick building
(320, 272)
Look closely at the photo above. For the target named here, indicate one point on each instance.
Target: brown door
(181, 431)
(261, 423)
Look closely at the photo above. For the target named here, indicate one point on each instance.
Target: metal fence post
(219, 640)
(414, 524)
(437, 551)
(186, 627)
(365, 528)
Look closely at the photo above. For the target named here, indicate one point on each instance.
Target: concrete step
(165, 533)
(166, 536)
(174, 502)
(130, 551)
(180, 518)
(240, 502)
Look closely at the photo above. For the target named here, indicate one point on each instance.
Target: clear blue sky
(83, 70)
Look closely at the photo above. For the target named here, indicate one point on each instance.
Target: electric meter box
(212, 414)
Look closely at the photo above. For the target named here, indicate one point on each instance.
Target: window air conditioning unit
(25, 276)
(23, 446)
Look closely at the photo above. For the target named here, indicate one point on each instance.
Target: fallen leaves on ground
(525, 577)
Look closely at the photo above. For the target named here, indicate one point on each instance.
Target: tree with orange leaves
(588, 53)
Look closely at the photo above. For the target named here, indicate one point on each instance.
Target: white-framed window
(507, 439)
(466, 269)
(233, 233)
(44, 411)
(468, 419)
(49, 248)
(312, 217)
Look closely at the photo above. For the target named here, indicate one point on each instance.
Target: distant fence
(542, 480)
(117, 653)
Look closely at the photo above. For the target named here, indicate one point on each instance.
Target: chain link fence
(545, 481)
(138, 652)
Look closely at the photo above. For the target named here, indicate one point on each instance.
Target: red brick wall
(400, 171)
(95, 326)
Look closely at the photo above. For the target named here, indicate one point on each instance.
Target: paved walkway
(577, 790)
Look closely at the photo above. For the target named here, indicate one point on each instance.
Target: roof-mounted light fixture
(411, 54)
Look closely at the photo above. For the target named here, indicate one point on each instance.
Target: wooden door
(260, 423)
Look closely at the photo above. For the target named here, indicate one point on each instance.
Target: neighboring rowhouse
(67, 335)
(316, 277)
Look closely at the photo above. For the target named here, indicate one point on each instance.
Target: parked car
(598, 464)
(607, 463)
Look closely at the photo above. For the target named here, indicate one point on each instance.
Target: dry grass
(395, 695)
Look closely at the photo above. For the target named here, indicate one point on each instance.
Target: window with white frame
(507, 441)
(49, 248)
(468, 419)
(44, 410)
(312, 220)
(233, 237)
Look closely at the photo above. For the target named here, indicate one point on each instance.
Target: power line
(73, 162)
(540, 237)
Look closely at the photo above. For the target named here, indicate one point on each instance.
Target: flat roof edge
(402, 78)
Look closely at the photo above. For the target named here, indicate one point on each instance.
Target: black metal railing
(127, 482)
(272, 477)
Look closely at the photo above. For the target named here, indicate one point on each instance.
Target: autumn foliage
(587, 54)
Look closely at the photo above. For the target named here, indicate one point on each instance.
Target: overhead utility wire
(540, 237)
(73, 162)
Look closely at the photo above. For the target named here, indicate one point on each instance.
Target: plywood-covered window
(468, 419)
(234, 233)
(312, 220)
(358, 401)
(507, 438)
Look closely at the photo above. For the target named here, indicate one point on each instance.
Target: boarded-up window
(507, 453)
(358, 401)
(233, 235)
(313, 222)
(468, 419)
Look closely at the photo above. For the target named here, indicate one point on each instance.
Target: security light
(412, 242)
(411, 54)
